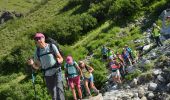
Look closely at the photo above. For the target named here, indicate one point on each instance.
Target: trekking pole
(33, 83)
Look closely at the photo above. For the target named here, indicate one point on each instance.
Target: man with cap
(50, 63)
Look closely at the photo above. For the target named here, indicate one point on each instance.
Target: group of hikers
(119, 62)
(49, 59)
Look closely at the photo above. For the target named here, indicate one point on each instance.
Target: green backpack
(71, 70)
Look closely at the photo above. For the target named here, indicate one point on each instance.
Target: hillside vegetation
(80, 26)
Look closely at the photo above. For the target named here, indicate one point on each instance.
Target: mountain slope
(13, 31)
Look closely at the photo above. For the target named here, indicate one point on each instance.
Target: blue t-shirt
(125, 55)
(47, 60)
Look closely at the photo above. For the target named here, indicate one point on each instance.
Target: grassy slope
(21, 6)
(12, 31)
(12, 82)
(92, 34)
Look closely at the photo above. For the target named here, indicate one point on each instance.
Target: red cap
(37, 35)
(69, 60)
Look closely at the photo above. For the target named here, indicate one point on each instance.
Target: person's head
(39, 39)
(126, 46)
(69, 60)
(81, 64)
(117, 53)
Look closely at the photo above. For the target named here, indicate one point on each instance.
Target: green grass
(15, 31)
(16, 34)
(21, 6)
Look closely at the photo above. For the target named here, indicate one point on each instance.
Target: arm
(78, 68)
(59, 58)
(90, 69)
(35, 64)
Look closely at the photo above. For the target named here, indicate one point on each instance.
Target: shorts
(91, 79)
(74, 80)
(116, 73)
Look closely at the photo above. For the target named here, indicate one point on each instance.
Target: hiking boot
(96, 92)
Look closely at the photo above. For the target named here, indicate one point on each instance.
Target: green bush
(148, 67)
(16, 60)
(72, 28)
(100, 72)
(133, 75)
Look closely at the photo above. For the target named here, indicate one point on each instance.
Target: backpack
(50, 41)
(71, 73)
(129, 50)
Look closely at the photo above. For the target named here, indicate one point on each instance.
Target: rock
(126, 97)
(150, 95)
(98, 97)
(157, 71)
(130, 69)
(134, 82)
(135, 96)
(167, 53)
(147, 62)
(141, 92)
(152, 86)
(127, 87)
(143, 98)
(160, 78)
(168, 87)
(147, 47)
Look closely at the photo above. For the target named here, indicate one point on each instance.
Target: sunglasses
(37, 38)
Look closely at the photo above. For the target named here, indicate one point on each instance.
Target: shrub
(16, 60)
(148, 66)
(99, 72)
(133, 75)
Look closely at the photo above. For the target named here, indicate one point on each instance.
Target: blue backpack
(129, 50)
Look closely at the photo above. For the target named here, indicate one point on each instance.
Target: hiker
(156, 34)
(126, 57)
(88, 77)
(110, 54)
(73, 73)
(50, 63)
(114, 67)
(129, 50)
(104, 53)
(121, 62)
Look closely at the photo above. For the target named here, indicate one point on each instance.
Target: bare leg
(94, 88)
(87, 87)
(74, 94)
(79, 93)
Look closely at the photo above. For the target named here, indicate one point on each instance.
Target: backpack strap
(38, 52)
(87, 68)
(51, 52)
(72, 75)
